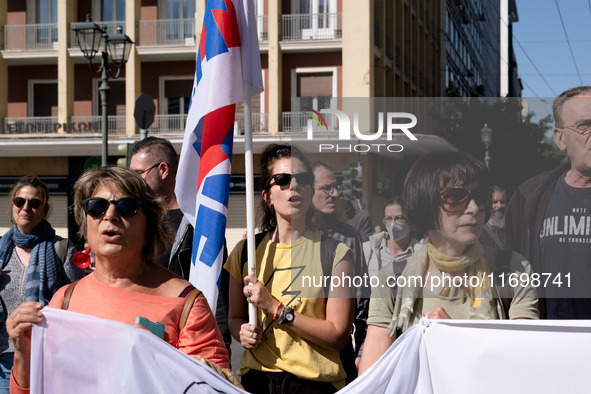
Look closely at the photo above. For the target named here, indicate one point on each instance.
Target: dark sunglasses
(98, 206)
(19, 202)
(456, 199)
(303, 178)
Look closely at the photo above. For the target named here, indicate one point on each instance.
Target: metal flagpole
(250, 217)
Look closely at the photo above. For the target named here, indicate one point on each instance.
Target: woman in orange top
(124, 223)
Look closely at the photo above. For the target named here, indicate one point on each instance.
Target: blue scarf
(43, 276)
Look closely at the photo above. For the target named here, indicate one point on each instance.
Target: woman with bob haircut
(125, 224)
(447, 196)
(294, 347)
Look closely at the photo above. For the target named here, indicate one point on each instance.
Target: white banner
(467, 356)
(75, 353)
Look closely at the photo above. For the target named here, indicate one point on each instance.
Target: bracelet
(277, 310)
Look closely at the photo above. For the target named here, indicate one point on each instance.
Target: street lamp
(90, 37)
(486, 134)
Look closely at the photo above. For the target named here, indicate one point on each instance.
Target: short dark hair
(564, 97)
(159, 149)
(428, 176)
(395, 200)
(158, 234)
(270, 155)
(35, 182)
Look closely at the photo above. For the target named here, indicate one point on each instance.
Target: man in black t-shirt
(548, 219)
(565, 251)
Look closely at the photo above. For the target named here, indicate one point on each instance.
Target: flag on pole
(228, 71)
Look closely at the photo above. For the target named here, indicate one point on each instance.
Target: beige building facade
(313, 52)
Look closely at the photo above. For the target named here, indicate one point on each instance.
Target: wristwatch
(287, 316)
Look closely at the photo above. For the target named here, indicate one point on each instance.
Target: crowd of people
(451, 222)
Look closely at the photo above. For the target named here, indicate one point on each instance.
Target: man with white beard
(496, 223)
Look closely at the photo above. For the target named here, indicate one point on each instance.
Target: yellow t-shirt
(284, 269)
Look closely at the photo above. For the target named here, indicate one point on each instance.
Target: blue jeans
(6, 360)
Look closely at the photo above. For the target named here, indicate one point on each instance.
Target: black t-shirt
(565, 250)
(174, 221)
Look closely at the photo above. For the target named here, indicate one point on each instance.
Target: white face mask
(397, 230)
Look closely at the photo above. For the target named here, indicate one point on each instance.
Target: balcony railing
(111, 28)
(312, 27)
(167, 32)
(295, 122)
(93, 124)
(31, 125)
(259, 121)
(166, 124)
(32, 37)
(263, 28)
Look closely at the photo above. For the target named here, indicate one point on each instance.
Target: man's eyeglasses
(98, 206)
(141, 172)
(397, 218)
(582, 128)
(19, 202)
(284, 179)
(456, 199)
(329, 189)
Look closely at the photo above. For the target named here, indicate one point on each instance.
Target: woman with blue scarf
(31, 269)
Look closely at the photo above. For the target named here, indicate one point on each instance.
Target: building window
(108, 11)
(406, 66)
(311, 88)
(182, 11)
(312, 6)
(46, 11)
(42, 98)
(177, 96)
(318, 16)
(179, 9)
(110, 14)
(44, 14)
(112, 10)
(174, 99)
(315, 90)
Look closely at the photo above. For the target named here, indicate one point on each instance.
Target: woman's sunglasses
(19, 202)
(456, 199)
(98, 206)
(303, 178)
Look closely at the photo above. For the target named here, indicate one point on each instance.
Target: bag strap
(68, 295)
(328, 250)
(258, 238)
(63, 250)
(502, 261)
(498, 261)
(189, 301)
